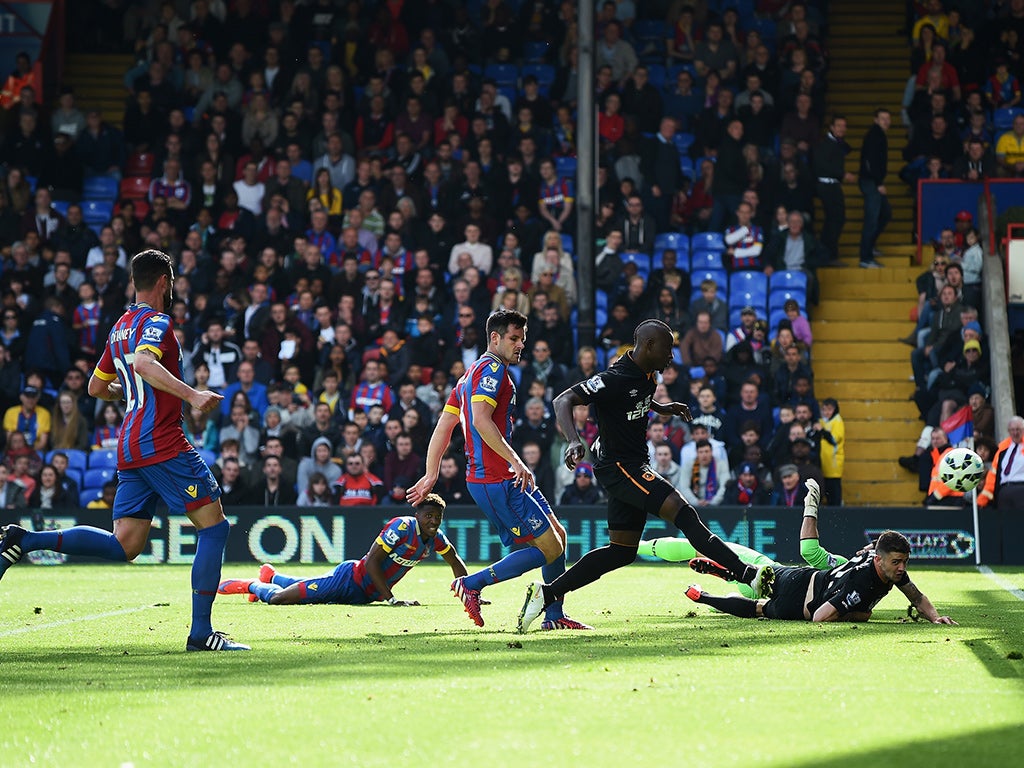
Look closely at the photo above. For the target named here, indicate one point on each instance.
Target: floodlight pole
(586, 176)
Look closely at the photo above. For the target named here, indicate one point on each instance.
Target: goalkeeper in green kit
(679, 550)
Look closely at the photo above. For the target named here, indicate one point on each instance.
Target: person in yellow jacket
(833, 456)
(1004, 484)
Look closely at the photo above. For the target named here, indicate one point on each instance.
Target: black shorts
(635, 491)
(789, 594)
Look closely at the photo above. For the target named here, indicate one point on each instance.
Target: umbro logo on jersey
(515, 531)
(633, 392)
(192, 490)
(494, 367)
(312, 586)
(403, 526)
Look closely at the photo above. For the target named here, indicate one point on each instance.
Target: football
(961, 470)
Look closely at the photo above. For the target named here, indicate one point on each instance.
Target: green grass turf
(660, 681)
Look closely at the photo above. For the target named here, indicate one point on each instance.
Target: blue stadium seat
(535, 52)
(89, 494)
(649, 39)
(600, 299)
(567, 243)
(76, 459)
(61, 206)
(78, 475)
(698, 276)
(657, 75)
(1002, 119)
(683, 142)
(778, 298)
(97, 211)
(773, 322)
(704, 259)
(600, 318)
(740, 299)
(751, 282)
(677, 240)
(673, 73)
(100, 188)
(545, 73)
(687, 168)
(33, 182)
(566, 166)
(103, 459)
(787, 279)
(707, 241)
(502, 74)
(95, 478)
(642, 261)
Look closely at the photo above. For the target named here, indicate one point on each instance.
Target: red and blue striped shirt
(487, 380)
(405, 547)
(152, 429)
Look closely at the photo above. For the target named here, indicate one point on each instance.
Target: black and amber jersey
(853, 586)
(622, 397)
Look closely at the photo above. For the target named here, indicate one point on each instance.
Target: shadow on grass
(994, 746)
(415, 655)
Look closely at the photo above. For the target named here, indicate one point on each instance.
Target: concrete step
(843, 309)
(860, 449)
(861, 352)
(838, 331)
(866, 371)
(877, 470)
(881, 494)
(854, 290)
(889, 400)
(892, 430)
(888, 274)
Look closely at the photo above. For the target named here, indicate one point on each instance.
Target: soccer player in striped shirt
(403, 543)
(499, 481)
(141, 363)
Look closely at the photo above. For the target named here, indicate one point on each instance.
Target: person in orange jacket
(938, 492)
(1004, 484)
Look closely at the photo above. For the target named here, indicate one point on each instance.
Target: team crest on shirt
(391, 537)
(192, 490)
(489, 384)
(593, 385)
(851, 600)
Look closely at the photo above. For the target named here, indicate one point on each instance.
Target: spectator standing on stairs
(829, 168)
(874, 157)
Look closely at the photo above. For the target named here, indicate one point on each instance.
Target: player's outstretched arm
(455, 562)
(152, 371)
(923, 605)
(375, 569)
(439, 441)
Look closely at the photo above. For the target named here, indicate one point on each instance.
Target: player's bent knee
(207, 515)
(621, 554)
(551, 546)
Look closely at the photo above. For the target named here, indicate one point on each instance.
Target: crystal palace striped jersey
(405, 547)
(486, 380)
(152, 429)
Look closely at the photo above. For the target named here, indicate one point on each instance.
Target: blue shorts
(519, 517)
(184, 483)
(337, 587)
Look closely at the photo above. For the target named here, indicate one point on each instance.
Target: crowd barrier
(329, 535)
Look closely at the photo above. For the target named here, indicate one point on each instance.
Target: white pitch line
(65, 622)
(1004, 583)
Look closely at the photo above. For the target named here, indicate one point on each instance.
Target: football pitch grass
(93, 673)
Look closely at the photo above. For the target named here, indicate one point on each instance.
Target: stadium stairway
(857, 359)
(97, 80)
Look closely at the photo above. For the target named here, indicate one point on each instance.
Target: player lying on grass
(847, 592)
(678, 550)
(404, 542)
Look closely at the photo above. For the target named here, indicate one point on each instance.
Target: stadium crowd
(961, 112)
(348, 189)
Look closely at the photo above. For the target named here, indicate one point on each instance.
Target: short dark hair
(148, 266)
(892, 542)
(500, 320)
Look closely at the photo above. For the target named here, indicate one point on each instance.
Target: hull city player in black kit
(624, 396)
(848, 592)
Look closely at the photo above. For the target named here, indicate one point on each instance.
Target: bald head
(650, 330)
